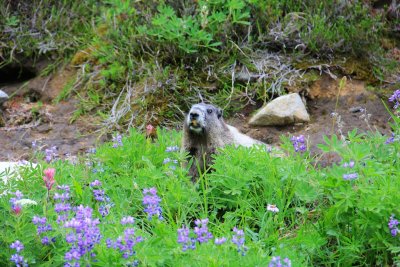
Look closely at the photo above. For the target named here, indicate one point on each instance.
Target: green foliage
(42, 28)
(158, 56)
(185, 33)
(323, 219)
(358, 208)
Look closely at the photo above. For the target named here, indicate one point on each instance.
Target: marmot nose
(193, 115)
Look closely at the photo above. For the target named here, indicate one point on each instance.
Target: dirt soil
(25, 120)
(31, 121)
(356, 107)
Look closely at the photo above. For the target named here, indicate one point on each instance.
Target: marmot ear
(219, 113)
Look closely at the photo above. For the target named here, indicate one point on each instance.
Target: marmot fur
(204, 130)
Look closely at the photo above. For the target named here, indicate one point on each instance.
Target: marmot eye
(209, 111)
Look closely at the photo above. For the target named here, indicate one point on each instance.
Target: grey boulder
(3, 97)
(284, 110)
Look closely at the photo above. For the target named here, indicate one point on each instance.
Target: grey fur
(202, 137)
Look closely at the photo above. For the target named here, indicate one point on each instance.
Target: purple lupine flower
(134, 263)
(173, 161)
(104, 209)
(152, 203)
(185, 240)
(63, 188)
(45, 240)
(95, 183)
(395, 98)
(391, 139)
(17, 245)
(86, 233)
(238, 239)
(70, 238)
(166, 160)
(51, 153)
(201, 231)
(125, 244)
(220, 241)
(127, 220)
(393, 225)
(117, 139)
(99, 195)
(299, 143)
(62, 207)
(276, 262)
(349, 164)
(37, 220)
(172, 149)
(63, 197)
(350, 176)
(42, 227)
(17, 258)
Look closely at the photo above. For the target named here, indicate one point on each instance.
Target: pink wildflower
(49, 177)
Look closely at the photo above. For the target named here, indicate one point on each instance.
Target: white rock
(287, 109)
(3, 96)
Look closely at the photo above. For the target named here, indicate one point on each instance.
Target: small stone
(3, 97)
(284, 110)
(44, 128)
(355, 109)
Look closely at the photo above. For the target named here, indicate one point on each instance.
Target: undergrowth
(129, 202)
(144, 62)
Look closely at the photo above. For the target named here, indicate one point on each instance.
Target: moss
(83, 56)
(311, 76)
(359, 68)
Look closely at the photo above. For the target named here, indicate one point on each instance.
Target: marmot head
(203, 116)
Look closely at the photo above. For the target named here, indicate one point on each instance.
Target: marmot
(204, 130)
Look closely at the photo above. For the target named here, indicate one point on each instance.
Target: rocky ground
(356, 107)
(31, 118)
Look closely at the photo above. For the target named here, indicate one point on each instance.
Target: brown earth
(26, 120)
(31, 116)
(354, 105)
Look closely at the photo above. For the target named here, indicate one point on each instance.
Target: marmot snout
(199, 117)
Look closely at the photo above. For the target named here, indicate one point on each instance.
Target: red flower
(17, 209)
(150, 131)
(49, 177)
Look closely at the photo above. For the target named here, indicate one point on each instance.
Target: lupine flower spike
(17, 258)
(299, 143)
(276, 262)
(393, 223)
(238, 239)
(185, 240)
(201, 231)
(152, 203)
